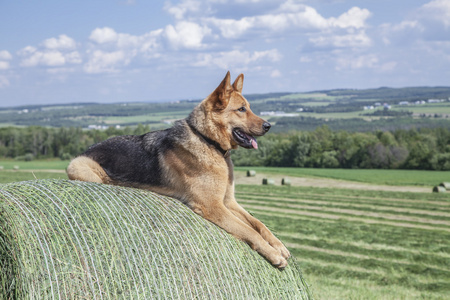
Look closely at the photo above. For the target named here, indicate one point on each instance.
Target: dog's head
(229, 119)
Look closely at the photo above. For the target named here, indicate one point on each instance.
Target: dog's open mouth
(244, 140)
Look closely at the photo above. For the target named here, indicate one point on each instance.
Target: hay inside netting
(67, 239)
(439, 189)
(445, 185)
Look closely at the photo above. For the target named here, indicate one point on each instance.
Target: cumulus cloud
(106, 62)
(357, 39)
(63, 42)
(346, 30)
(353, 18)
(4, 57)
(184, 7)
(53, 52)
(358, 62)
(108, 37)
(187, 35)
(51, 58)
(103, 35)
(236, 58)
(305, 18)
(438, 10)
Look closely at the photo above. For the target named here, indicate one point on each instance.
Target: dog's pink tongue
(254, 144)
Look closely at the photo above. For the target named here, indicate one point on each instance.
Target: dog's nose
(266, 126)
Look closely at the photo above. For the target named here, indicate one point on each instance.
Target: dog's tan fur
(200, 176)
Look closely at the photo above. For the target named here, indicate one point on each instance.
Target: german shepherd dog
(191, 162)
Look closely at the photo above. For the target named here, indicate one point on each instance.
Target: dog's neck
(225, 153)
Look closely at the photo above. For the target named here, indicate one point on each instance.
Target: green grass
(434, 108)
(29, 170)
(53, 164)
(373, 176)
(360, 244)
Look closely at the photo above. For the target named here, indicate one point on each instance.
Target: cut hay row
(70, 240)
(443, 211)
(380, 253)
(289, 212)
(378, 212)
(423, 203)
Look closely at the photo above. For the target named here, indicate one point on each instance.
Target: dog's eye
(242, 109)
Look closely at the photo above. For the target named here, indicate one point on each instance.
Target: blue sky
(132, 50)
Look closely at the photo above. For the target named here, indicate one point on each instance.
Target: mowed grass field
(356, 244)
(350, 243)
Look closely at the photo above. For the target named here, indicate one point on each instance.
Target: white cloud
(50, 58)
(358, 62)
(106, 62)
(355, 17)
(5, 55)
(73, 57)
(347, 30)
(186, 6)
(236, 58)
(4, 65)
(103, 35)
(145, 43)
(186, 35)
(28, 50)
(358, 39)
(305, 18)
(438, 10)
(60, 43)
(53, 52)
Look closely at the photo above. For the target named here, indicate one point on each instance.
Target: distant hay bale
(251, 173)
(267, 181)
(286, 181)
(15, 168)
(445, 185)
(439, 189)
(73, 240)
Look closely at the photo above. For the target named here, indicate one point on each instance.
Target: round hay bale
(251, 173)
(439, 189)
(267, 181)
(445, 185)
(76, 240)
(286, 181)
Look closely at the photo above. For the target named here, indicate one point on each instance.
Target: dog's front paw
(284, 252)
(281, 263)
(281, 249)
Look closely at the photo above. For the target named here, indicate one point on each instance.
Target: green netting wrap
(64, 239)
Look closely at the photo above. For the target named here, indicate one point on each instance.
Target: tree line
(426, 148)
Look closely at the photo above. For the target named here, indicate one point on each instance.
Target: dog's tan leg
(224, 218)
(86, 169)
(256, 224)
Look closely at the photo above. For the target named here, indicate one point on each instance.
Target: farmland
(354, 244)
(350, 243)
(339, 109)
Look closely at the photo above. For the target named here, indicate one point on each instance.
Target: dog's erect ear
(221, 95)
(239, 83)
